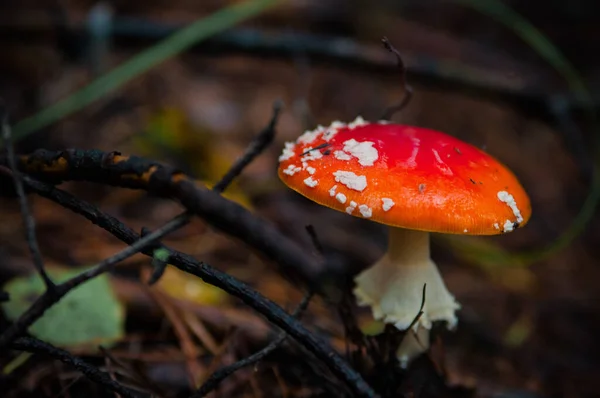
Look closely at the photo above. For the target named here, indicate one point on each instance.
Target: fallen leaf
(88, 315)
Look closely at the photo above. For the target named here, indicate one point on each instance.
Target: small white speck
(363, 151)
(508, 226)
(288, 151)
(365, 211)
(496, 225)
(310, 182)
(387, 204)
(465, 231)
(351, 208)
(341, 198)
(291, 170)
(510, 201)
(332, 190)
(359, 121)
(309, 136)
(351, 180)
(332, 130)
(311, 154)
(341, 155)
(311, 170)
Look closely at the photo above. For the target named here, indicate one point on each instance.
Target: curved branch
(36, 346)
(138, 173)
(275, 314)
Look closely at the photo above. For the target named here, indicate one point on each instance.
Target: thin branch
(28, 220)
(51, 297)
(216, 378)
(36, 346)
(420, 313)
(275, 314)
(318, 147)
(393, 347)
(408, 91)
(310, 229)
(135, 375)
(134, 172)
(255, 148)
(160, 261)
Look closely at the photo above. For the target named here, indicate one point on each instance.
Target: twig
(51, 297)
(190, 350)
(420, 313)
(135, 375)
(318, 147)
(392, 348)
(160, 261)
(28, 220)
(408, 91)
(216, 378)
(161, 180)
(36, 346)
(315, 239)
(110, 372)
(255, 148)
(236, 288)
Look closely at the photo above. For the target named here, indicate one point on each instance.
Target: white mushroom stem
(393, 288)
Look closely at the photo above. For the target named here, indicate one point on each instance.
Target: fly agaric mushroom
(416, 181)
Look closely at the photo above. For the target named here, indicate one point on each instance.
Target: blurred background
(517, 79)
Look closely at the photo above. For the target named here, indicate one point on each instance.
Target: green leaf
(87, 316)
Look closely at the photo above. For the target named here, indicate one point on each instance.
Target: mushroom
(416, 181)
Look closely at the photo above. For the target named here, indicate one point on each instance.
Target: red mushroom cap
(405, 176)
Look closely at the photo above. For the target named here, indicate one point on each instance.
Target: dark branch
(36, 346)
(317, 148)
(216, 378)
(186, 263)
(28, 220)
(310, 229)
(51, 297)
(397, 336)
(159, 264)
(256, 147)
(161, 180)
(408, 91)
